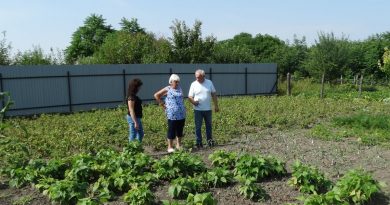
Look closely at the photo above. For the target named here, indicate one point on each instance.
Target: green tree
(131, 26)
(224, 52)
(329, 56)
(125, 48)
(289, 57)
(384, 64)
(87, 39)
(188, 45)
(5, 49)
(35, 56)
(263, 47)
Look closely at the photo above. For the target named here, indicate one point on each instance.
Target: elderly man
(201, 92)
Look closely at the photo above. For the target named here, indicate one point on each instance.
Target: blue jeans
(199, 116)
(133, 133)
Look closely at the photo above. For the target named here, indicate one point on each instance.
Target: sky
(51, 23)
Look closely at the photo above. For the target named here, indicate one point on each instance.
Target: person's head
(200, 75)
(134, 86)
(174, 80)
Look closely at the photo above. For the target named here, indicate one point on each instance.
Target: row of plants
(355, 187)
(103, 176)
(52, 135)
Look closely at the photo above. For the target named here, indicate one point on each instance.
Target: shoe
(170, 150)
(211, 143)
(199, 145)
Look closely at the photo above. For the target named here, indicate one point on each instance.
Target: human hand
(136, 126)
(196, 103)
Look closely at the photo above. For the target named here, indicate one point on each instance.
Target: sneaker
(211, 143)
(170, 150)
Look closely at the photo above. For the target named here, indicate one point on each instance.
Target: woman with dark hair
(134, 111)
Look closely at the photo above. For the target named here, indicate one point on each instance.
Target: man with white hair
(201, 92)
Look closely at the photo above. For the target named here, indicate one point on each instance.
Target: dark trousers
(199, 116)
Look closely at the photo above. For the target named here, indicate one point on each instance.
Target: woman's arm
(158, 96)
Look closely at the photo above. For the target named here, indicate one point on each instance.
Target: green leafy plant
(66, 191)
(139, 195)
(308, 179)
(356, 186)
(250, 190)
(258, 167)
(222, 158)
(178, 164)
(201, 199)
(219, 177)
(181, 187)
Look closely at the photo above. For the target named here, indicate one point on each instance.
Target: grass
(339, 115)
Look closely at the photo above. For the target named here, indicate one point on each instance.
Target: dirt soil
(332, 158)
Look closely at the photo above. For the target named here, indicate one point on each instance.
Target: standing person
(201, 92)
(174, 109)
(134, 111)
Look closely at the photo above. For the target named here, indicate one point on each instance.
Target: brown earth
(332, 158)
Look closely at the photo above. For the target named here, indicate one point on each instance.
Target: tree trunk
(288, 84)
(360, 85)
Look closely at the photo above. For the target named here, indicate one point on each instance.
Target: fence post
(341, 79)
(360, 85)
(246, 81)
(170, 71)
(211, 74)
(288, 84)
(1, 90)
(322, 85)
(124, 84)
(69, 93)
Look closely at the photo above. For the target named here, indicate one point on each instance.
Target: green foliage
(126, 48)
(328, 56)
(5, 51)
(87, 39)
(258, 167)
(250, 190)
(188, 45)
(385, 65)
(356, 186)
(139, 195)
(131, 26)
(222, 158)
(308, 179)
(224, 52)
(4, 96)
(178, 164)
(219, 177)
(66, 191)
(35, 56)
(201, 199)
(181, 187)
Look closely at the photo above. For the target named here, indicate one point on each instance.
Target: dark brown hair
(134, 87)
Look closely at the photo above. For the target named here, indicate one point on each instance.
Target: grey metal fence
(69, 88)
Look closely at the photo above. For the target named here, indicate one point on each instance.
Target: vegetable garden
(272, 150)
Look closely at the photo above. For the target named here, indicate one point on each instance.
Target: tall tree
(5, 50)
(290, 57)
(188, 45)
(384, 63)
(87, 39)
(131, 26)
(329, 56)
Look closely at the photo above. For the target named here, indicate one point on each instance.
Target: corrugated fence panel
(68, 88)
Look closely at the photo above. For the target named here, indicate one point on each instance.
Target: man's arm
(215, 101)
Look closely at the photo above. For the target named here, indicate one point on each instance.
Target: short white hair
(200, 71)
(174, 77)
